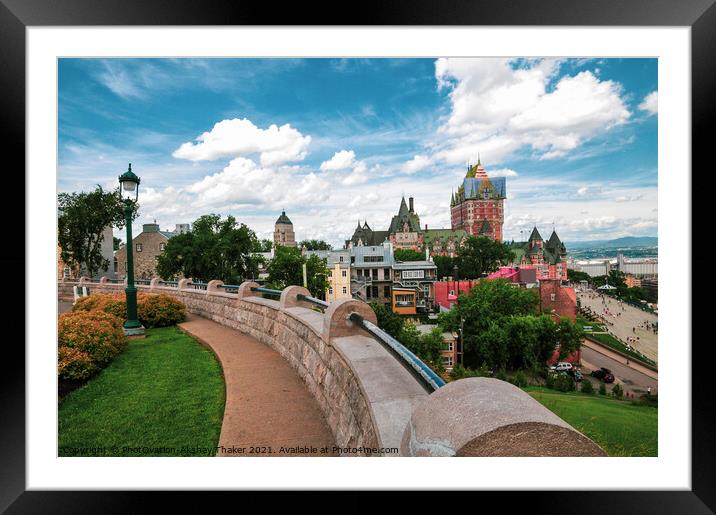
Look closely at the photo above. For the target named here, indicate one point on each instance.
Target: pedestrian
(648, 391)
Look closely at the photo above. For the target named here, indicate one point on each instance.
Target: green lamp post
(129, 190)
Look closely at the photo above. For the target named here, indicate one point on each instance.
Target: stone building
(147, 246)
(283, 232)
(339, 264)
(478, 206)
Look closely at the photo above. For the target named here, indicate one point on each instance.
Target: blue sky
(333, 141)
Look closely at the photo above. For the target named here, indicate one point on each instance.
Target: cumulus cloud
(501, 105)
(650, 104)
(503, 172)
(341, 160)
(240, 137)
(416, 164)
(243, 182)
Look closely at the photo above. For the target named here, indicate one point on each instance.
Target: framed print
(430, 233)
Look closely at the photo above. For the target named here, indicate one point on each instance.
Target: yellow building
(404, 301)
(340, 276)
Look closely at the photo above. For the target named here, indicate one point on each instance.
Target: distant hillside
(628, 241)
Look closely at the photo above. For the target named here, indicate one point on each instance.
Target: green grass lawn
(162, 396)
(619, 427)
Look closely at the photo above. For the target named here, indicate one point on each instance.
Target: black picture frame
(16, 15)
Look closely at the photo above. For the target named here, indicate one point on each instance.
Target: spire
(535, 235)
(478, 159)
(403, 208)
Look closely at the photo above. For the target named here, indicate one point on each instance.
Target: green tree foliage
(286, 269)
(481, 255)
(262, 246)
(213, 249)
(502, 327)
(445, 266)
(623, 292)
(388, 321)
(314, 245)
(116, 242)
(408, 255)
(602, 389)
(576, 276)
(81, 222)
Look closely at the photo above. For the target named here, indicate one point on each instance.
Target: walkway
(267, 403)
(626, 321)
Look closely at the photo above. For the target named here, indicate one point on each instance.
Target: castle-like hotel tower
(477, 207)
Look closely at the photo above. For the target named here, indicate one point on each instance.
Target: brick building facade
(478, 206)
(147, 246)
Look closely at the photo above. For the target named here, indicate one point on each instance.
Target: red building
(477, 207)
(446, 291)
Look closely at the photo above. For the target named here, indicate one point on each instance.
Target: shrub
(564, 383)
(587, 387)
(519, 379)
(617, 391)
(550, 380)
(501, 375)
(95, 333)
(152, 310)
(74, 364)
(160, 311)
(602, 389)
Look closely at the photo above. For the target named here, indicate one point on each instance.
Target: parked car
(562, 366)
(604, 374)
(576, 374)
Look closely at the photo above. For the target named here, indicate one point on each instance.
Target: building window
(138, 246)
(447, 361)
(386, 291)
(330, 291)
(344, 290)
(343, 274)
(340, 258)
(405, 300)
(162, 246)
(375, 291)
(552, 296)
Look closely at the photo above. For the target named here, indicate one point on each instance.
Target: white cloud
(629, 198)
(240, 137)
(503, 172)
(419, 162)
(582, 191)
(357, 176)
(501, 105)
(650, 104)
(341, 160)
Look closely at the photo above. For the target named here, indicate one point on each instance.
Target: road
(631, 380)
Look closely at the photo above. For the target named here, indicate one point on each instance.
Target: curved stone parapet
(482, 416)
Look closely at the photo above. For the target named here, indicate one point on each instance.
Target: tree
(445, 266)
(481, 255)
(286, 268)
(314, 245)
(81, 222)
(388, 321)
(576, 276)
(213, 249)
(116, 242)
(408, 255)
(262, 246)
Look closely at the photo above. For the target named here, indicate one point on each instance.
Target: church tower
(478, 205)
(283, 232)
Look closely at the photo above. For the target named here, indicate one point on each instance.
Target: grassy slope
(163, 391)
(619, 427)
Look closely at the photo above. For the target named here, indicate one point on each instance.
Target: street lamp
(129, 190)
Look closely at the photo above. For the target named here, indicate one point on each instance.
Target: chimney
(410, 200)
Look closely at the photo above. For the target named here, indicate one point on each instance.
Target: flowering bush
(152, 310)
(75, 365)
(87, 341)
(96, 333)
(160, 310)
